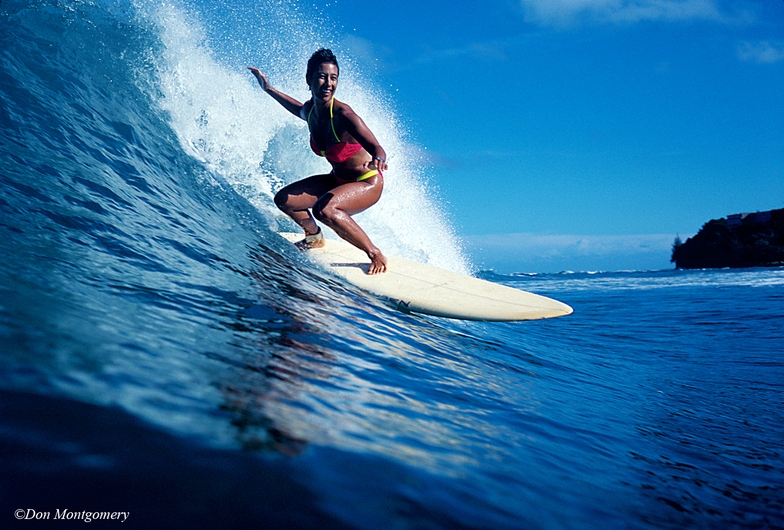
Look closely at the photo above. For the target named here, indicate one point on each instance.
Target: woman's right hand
(288, 102)
(260, 77)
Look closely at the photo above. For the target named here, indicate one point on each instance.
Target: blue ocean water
(164, 353)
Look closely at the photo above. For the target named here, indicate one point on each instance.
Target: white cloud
(559, 245)
(568, 12)
(761, 52)
(537, 252)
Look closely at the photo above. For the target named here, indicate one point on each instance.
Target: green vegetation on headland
(740, 240)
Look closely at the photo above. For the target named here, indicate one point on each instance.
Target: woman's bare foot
(311, 241)
(378, 263)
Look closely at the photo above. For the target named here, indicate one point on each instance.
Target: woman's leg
(295, 199)
(336, 207)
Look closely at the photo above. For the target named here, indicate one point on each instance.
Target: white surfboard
(420, 288)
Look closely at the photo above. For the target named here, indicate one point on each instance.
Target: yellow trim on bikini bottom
(369, 174)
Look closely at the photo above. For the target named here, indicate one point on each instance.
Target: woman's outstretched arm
(288, 102)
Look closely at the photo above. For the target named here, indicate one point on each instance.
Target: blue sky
(583, 134)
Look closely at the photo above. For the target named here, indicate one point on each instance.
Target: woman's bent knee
(320, 213)
(322, 209)
(281, 198)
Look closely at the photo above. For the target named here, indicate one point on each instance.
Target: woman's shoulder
(343, 110)
(305, 109)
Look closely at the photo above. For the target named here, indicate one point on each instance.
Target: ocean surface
(164, 353)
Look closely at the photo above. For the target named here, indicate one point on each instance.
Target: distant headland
(740, 240)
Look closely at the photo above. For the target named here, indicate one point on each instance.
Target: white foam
(240, 134)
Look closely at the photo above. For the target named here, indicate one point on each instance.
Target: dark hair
(321, 56)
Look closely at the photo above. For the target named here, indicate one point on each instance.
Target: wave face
(163, 351)
(139, 170)
(139, 167)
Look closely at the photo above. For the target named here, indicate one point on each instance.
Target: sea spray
(246, 139)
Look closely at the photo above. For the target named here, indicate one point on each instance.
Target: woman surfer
(337, 133)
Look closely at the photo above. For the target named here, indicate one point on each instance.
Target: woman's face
(324, 81)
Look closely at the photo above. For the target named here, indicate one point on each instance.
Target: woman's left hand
(377, 163)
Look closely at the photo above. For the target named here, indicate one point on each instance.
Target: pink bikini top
(339, 152)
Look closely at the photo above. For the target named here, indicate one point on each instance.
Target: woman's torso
(328, 138)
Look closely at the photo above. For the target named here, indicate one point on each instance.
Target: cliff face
(744, 241)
